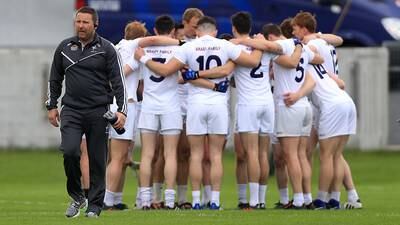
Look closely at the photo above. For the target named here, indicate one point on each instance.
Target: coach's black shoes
(243, 206)
(74, 207)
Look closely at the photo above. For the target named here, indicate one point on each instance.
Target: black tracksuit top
(93, 75)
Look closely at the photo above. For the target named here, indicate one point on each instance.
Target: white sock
(117, 198)
(323, 196)
(138, 199)
(335, 195)
(307, 198)
(242, 192)
(169, 198)
(157, 192)
(182, 189)
(298, 199)
(145, 196)
(262, 190)
(196, 197)
(109, 198)
(352, 195)
(253, 194)
(206, 194)
(215, 197)
(284, 195)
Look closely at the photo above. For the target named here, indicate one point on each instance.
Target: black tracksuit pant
(74, 123)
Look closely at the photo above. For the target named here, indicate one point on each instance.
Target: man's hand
(290, 98)
(120, 121)
(53, 116)
(139, 52)
(297, 42)
(190, 75)
(259, 36)
(222, 86)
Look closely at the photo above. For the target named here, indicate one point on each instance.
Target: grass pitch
(32, 191)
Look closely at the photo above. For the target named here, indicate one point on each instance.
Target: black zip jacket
(93, 75)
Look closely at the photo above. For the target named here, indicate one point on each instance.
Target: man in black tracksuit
(93, 76)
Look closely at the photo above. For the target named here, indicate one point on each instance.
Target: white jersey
(127, 48)
(252, 84)
(326, 92)
(291, 80)
(205, 53)
(160, 94)
(328, 53)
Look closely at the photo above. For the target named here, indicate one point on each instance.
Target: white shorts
(130, 123)
(160, 122)
(293, 121)
(336, 120)
(207, 119)
(255, 118)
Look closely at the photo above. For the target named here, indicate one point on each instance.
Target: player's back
(204, 53)
(288, 79)
(253, 86)
(160, 93)
(328, 53)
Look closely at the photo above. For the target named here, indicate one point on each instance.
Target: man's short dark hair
(242, 21)
(164, 24)
(179, 26)
(225, 36)
(271, 28)
(91, 11)
(207, 19)
(287, 28)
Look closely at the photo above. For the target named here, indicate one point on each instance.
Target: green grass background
(32, 191)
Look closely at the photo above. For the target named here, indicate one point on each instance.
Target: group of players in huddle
(288, 94)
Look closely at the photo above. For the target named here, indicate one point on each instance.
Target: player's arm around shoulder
(171, 67)
(293, 60)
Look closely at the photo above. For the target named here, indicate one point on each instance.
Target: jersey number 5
(154, 77)
(301, 69)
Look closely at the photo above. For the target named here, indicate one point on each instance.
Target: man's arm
(290, 61)
(217, 72)
(117, 79)
(55, 87)
(164, 70)
(332, 39)
(221, 86)
(291, 98)
(338, 81)
(157, 41)
(261, 44)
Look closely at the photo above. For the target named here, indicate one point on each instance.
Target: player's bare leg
(170, 148)
(158, 175)
(264, 169)
(216, 145)
(241, 172)
(339, 169)
(353, 200)
(183, 170)
(281, 176)
(290, 149)
(328, 148)
(206, 180)
(306, 171)
(149, 144)
(84, 164)
(195, 167)
(250, 143)
(115, 172)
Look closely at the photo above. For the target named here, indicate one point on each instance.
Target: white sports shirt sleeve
(127, 48)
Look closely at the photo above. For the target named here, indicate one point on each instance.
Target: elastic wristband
(144, 59)
(181, 42)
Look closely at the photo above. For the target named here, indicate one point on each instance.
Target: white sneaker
(353, 205)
